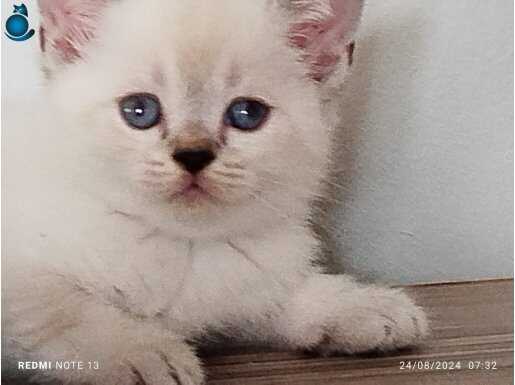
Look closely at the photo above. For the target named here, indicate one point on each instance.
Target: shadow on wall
(354, 111)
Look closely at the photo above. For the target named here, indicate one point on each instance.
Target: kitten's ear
(323, 30)
(66, 27)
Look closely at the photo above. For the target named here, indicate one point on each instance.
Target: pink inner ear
(325, 40)
(316, 39)
(68, 25)
(66, 50)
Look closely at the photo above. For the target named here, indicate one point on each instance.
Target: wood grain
(471, 322)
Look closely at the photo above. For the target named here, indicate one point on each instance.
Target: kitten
(165, 189)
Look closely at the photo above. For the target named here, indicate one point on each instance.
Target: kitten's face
(200, 106)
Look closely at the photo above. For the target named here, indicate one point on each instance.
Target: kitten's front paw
(154, 368)
(385, 319)
(175, 367)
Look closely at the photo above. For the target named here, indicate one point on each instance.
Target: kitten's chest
(193, 282)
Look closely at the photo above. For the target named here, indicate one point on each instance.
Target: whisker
(233, 165)
(157, 173)
(334, 184)
(228, 184)
(229, 174)
(153, 184)
(154, 163)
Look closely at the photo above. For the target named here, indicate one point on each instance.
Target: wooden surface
(471, 322)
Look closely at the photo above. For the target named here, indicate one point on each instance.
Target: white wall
(427, 142)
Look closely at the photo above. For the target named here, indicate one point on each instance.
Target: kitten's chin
(192, 196)
(195, 194)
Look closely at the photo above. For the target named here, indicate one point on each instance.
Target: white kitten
(165, 189)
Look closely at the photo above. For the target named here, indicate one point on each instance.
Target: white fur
(100, 266)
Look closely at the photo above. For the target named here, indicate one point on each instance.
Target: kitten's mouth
(192, 191)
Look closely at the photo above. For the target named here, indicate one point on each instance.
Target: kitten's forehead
(215, 38)
(198, 38)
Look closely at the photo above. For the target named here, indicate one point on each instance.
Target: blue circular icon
(17, 25)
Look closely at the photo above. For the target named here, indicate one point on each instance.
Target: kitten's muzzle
(193, 160)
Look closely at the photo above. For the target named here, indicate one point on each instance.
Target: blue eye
(246, 114)
(140, 111)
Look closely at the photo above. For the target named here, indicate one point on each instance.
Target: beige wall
(428, 142)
